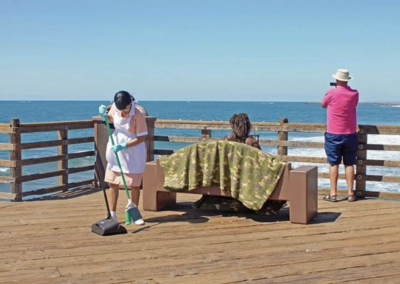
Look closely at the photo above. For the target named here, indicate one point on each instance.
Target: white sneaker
(114, 216)
(139, 222)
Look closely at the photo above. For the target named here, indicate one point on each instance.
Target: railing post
(282, 136)
(100, 145)
(150, 121)
(361, 168)
(15, 155)
(205, 134)
(63, 150)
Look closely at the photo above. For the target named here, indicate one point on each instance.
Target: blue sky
(197, 50)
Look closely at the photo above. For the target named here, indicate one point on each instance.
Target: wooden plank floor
(51, 242)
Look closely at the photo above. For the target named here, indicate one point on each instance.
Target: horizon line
(189, 101)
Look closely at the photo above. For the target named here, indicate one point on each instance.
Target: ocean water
(296, 112)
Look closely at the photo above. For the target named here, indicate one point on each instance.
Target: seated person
(241, 127)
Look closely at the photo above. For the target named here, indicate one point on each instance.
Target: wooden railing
(283, 128)
(16, 163)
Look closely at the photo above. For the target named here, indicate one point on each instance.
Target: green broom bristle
(128, 218)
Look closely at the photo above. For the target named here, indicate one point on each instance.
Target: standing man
(341, 140)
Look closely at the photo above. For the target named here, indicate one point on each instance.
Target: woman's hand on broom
(103, 112)
(119, 147)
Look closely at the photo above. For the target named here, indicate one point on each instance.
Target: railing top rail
(52, 126)
(70, 122)
(214, 123)
(274, 126)
(57, 123)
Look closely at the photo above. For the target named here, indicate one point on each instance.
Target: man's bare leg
(350, 179)
(333, 176)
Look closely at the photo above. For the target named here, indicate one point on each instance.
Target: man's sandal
(330, 198)
(351, 198)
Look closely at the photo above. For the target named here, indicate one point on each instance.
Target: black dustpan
(106, 226)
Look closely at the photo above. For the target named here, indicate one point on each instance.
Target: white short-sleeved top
(133, 159)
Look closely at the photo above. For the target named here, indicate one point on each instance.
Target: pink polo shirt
(341, 103)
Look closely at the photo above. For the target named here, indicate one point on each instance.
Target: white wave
(383, 187)
(384, 139)
(310, 139)
(4, 170)
(372, 154)
(372, 139)
(383, 155)
(396, 106)
(309, 152)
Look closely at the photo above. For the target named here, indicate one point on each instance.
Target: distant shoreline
(366, 103)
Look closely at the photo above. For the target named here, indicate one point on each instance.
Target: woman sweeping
(129, 136)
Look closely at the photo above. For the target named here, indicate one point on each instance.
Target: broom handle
(100, 177)
(118, 162)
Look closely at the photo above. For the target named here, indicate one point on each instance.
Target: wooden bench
(298, 186)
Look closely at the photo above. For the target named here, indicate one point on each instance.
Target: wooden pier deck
(51, 242)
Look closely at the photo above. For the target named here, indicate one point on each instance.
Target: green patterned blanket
(249, 174)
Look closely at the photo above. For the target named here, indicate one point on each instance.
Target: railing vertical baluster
(150, 121)
(361, 168)
(283, 136)
(16, 155)
(100, 145)
(63, 164)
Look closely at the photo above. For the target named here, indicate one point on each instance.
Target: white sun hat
(342, 75)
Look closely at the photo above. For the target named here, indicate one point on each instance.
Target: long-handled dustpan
(107, 226)
(132, 213)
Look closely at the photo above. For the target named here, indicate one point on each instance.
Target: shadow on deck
(71, 193)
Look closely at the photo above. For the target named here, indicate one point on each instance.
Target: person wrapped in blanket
(241, 127)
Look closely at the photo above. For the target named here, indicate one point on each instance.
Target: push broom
(132, 213)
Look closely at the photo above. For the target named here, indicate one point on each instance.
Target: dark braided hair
(241, 127)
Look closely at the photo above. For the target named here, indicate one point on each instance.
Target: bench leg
(157, 200)
(304, 194)
(154, 200)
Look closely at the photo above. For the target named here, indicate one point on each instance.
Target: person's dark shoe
(351, 198)
(330, 198)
